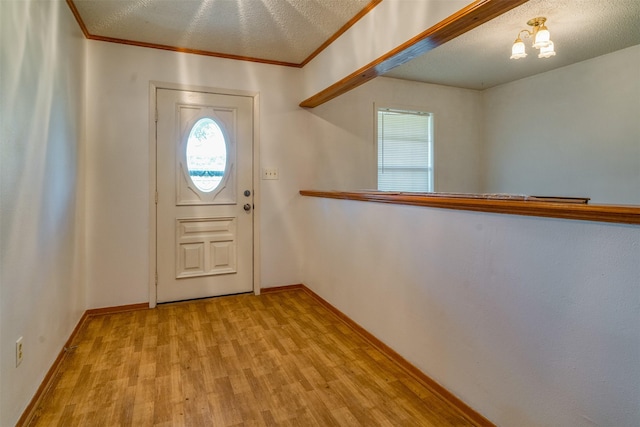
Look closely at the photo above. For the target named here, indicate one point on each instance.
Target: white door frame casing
(153, 86)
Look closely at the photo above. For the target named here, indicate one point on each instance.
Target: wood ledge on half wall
(553, 207)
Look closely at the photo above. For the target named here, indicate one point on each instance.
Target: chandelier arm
(527, 33)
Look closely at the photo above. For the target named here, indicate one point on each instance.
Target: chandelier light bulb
(548, 51)
(542, 38)
(518, 49)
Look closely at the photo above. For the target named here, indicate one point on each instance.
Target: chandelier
(541, 40)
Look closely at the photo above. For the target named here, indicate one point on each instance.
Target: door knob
(247, 207)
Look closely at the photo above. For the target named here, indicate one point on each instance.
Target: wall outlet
(270, 173)
(19, 352)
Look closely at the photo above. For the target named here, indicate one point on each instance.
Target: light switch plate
(270, 173)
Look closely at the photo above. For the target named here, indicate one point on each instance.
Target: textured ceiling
(290, 31)
(479, 59)
(286, 31)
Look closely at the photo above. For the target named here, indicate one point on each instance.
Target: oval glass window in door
(206, 155)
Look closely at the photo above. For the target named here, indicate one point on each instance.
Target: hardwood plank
(280, 358)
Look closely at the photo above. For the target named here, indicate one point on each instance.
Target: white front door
(205, 194)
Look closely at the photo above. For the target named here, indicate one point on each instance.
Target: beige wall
(494, 307)
(342, 137)
(576, 135)
(573, 131)
(530, 321)
(510, 313)
(42, 288)
(118, 162)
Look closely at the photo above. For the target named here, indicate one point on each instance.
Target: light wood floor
(279, 359)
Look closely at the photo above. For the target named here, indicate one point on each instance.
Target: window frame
(225, 143)
(377, 107)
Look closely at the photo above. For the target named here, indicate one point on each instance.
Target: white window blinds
(405, 150)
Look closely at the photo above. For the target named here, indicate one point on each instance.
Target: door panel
(204, 166)
(205, 247)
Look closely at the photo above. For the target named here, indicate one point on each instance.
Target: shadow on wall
(41, 220)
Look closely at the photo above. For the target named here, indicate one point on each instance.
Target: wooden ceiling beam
(464, 20)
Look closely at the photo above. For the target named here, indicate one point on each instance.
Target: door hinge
(156, 278)
(156, 197)
(156, 115)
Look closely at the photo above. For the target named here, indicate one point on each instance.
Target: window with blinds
(405, 150)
